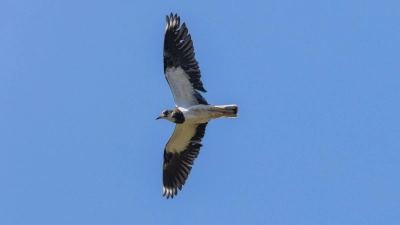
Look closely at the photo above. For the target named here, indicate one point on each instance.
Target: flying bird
(191, 113)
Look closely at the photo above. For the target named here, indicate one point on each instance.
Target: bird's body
(198, 114)
(204, 113)
(191, 113)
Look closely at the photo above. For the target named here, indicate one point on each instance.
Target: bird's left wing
(181, 69)
(179, 154)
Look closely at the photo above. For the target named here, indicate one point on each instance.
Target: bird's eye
(165, 113)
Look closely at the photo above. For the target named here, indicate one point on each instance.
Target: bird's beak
(158, 117)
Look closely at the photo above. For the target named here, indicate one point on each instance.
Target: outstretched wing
(180, 67)
(179, 154)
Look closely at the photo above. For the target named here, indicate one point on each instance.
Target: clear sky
(317, 139)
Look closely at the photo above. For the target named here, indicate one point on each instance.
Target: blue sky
(317, 140)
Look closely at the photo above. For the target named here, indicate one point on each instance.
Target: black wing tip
(170, 192)
(173, 21)
(179, 49)
(175, 179)
(177, 166)
(172, 15)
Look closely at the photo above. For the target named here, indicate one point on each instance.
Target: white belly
(199, 113)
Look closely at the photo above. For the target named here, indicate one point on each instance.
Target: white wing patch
(181, 88)
(181, 137)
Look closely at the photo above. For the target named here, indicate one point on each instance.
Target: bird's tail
(229, 111)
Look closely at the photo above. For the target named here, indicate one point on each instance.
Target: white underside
(181, 137)
(181, 88)
(199, 113)
(194, 115)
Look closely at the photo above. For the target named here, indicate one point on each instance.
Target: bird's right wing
(179, 154)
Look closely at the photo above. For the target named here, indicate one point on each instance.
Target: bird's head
(166, 115)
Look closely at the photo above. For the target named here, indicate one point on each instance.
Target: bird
(191, 113)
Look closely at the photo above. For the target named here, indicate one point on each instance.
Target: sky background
(317, 139)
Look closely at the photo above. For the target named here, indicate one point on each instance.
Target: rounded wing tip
(170, 192)
(173, 22)
(172, 16)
